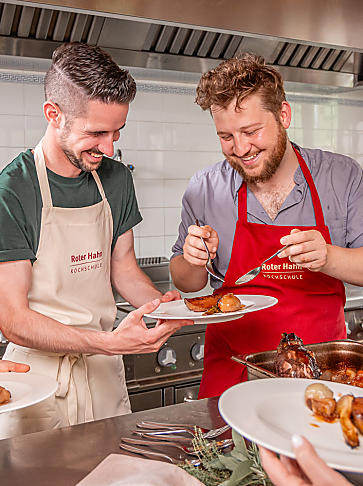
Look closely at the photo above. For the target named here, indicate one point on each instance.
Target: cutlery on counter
(156, 455)
(154, 441)
(247, 277)
(165, 428)
(208, 265)
(147, 434)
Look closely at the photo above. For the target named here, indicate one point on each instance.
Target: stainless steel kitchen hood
(315, 42)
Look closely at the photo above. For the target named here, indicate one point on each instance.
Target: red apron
(310, 304)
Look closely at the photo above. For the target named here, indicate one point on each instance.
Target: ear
(285, 114)
(52, 113)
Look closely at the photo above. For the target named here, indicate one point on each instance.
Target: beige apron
(71, 284)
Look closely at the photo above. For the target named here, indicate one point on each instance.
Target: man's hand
(194, 251)
(11, 366)
(308, 469)
(132, 335)
(308, 249)
(170, 295)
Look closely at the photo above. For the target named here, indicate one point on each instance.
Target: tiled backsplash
(168, 137)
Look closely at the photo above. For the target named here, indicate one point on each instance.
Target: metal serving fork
(156, 455)
(208, 265)
(153, 441)
(164, 428)
(247, 277)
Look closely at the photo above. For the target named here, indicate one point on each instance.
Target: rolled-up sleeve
(16, 241)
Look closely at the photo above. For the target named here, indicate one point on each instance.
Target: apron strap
(319, 216)
(42, 176)
(99, 185)
(67, 387)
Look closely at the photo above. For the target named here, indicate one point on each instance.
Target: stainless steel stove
(173, 374)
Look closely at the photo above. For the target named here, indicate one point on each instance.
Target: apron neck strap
(319, 216)
(318, 211)
(99, 185)
(43, 177)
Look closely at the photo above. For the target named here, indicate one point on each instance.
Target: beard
(78, 162)
(270, 166)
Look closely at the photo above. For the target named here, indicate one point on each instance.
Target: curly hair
(237, 78)
(80, 72)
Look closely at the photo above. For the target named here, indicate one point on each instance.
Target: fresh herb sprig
(239, 467)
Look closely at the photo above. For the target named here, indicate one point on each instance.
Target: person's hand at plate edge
(307, 469)
(6, 366)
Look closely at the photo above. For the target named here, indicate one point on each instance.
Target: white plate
(26, 389)
(270, 410)
(178, 310)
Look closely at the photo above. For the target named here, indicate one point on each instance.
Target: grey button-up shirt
(212, 197)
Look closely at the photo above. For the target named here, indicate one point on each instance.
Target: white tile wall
(168, 138)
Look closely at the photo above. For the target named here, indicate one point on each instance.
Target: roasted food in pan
(293, 360)
(5, 396)
(212, 304)
(343, 373)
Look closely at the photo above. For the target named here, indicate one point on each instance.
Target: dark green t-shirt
(21, 202)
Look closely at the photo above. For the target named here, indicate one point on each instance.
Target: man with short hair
(67, 211)
(267, 193)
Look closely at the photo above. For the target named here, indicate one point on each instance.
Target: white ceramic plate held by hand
(178, 310)
(26, 389)
(269, 411)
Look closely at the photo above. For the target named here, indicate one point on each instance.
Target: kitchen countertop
(63, 457)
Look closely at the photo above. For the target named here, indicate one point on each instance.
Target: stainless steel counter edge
(63, 457)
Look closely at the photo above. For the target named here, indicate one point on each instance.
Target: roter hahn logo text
(85, 262)
(283, 271)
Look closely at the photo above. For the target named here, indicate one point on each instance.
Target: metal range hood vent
(21, 22)
(32, 31)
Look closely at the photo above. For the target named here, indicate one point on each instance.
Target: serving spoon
(247, 277)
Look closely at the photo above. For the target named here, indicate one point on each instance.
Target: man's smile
(250, 159)
(95, 155)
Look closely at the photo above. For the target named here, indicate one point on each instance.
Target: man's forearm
(34, 330)
(345, 264)
(187, 277)
(134, 286)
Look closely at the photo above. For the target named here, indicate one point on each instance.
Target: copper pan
(328, 354)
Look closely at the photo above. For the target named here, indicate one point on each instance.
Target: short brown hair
(80, 72)
(239, 77)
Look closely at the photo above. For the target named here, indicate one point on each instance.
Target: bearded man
(268, 192)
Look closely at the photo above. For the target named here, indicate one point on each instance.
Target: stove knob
(166, 357)
(197, 352)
